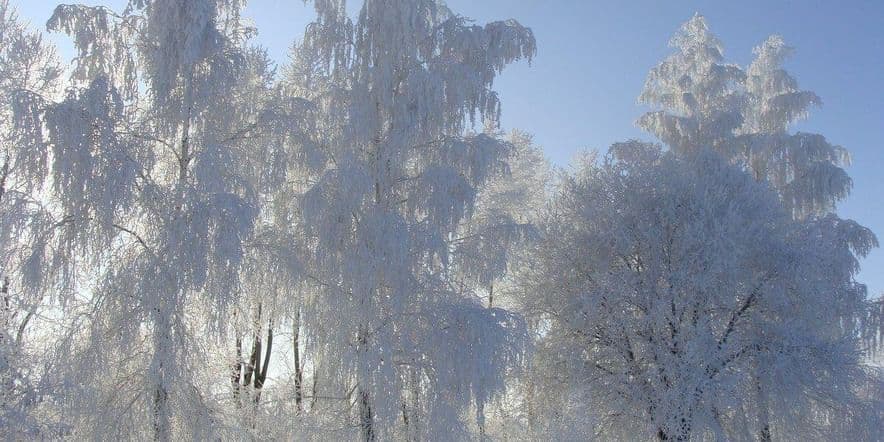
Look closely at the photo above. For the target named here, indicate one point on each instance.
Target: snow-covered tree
(805, 168)
(149, 163)
(699, 95)
(486, 246)
(396, 174)
(176, 216)
(506, 208)
(666, 284)
(27, 64)
(744, 115)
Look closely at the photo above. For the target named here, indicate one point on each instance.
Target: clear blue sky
(593, 56)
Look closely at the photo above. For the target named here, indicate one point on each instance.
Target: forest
(199, 244)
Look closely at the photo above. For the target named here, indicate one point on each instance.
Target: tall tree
(397, 176)
(27, 64)
(148, 160)
(805, 169)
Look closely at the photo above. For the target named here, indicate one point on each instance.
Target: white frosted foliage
(676, 291)
(199, 244)
(401, 176)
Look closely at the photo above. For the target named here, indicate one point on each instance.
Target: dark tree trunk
(366, 419)
(299, 373)
(491, 295)
(160, 417)
(681, 434)
(254, 373)
(763, 417)
(236, 374)
(764, 436)
(662, 435)
(4, 175)
(7, 306)
(261, 371)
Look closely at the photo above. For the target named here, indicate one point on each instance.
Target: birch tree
(27, 64)
(148, 164)
(507, 206)
(397, 174)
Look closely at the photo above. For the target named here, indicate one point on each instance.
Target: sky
(580, 90)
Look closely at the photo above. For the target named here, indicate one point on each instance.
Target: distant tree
(804, 168)
(744, 115)
(699, 96)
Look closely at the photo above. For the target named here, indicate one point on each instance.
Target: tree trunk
(763, 416)
(366, 419)
(261, 372)
(160, 414)
(415, 402)
(162, 343)
(236, 374)
(681, 437)
(661, 435)
(4, 175)
(255, 373)
(411, 405)
(5, 362)
(252, 366)
(7, 307)
(162, 315)
(314, 388)
(299, 373)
